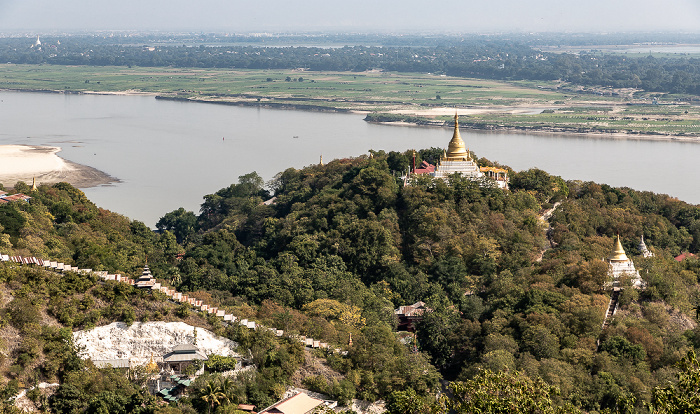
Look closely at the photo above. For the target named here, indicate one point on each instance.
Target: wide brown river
(170, 154)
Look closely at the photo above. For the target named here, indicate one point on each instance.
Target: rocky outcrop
(140, 340)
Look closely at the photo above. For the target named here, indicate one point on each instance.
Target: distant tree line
(490, 58)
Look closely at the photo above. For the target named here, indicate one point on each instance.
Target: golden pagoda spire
(320, 162)
(33, 183)
(618, 253)
(152, 366)
(456, 150)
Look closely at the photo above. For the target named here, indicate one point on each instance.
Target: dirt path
(544, 218)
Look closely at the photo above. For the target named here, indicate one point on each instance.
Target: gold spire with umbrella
(456, 150)
(618, 253)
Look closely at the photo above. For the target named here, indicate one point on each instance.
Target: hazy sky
(468, 16)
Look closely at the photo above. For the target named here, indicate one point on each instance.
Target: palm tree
(176, 280)
(227, 387)
(212, 395)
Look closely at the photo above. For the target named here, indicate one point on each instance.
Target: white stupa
(621, 265)
(643, 248)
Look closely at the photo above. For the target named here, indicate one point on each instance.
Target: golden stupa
(618, 253)
(152, 366)
(456, 150)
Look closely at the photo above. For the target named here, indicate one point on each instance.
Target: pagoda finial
(618, 253)
(320, 162)
(350, 340)
(33, 183)
(456, 150)
(152, 366)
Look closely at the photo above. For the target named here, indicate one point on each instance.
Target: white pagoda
(643, 249)
(621, 265)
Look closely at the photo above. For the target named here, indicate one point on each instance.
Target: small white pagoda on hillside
(621, 265)
(643, 248)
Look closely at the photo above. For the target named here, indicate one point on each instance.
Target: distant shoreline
(41, 163)
(618, 135)
(542, 130)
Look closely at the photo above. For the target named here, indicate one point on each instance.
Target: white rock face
(143, 339)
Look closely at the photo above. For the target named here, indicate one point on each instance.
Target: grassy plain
(546, 106)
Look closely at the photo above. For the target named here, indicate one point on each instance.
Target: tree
(504, 392)
(180, 222)
(212, 395)
(684, 396)
(409, 402)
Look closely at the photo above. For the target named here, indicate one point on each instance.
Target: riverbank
(427, 117)
(519, 106)
(27, 162)
(470, 125)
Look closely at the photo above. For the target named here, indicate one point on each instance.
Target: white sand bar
(25, 162)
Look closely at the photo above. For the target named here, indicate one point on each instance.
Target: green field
(488, 104)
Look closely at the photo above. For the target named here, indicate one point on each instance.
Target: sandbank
(442, 110)
(27, 162)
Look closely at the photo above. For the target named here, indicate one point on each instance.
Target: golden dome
(152, 366)
(456, 150)
(618, 253)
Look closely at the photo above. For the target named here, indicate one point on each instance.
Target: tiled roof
(297, 404)
(425, 167)
(684, 256)
(417, 309)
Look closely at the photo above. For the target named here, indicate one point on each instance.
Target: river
(170, 154)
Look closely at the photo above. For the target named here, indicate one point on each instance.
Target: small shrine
(146, 280)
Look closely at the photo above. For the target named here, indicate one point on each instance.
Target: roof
(172, 357)
(425, 167)
(494, 169)
(417, 309)
(684, 256)
(16, 197)
(297, 404)
(184, 348)
(183, 353)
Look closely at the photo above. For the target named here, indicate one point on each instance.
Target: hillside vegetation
(342, 245)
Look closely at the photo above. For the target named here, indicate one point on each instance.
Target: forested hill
(331, 250)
